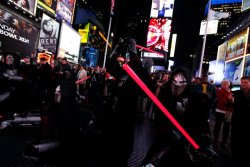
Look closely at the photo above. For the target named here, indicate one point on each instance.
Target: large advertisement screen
(233, 70)
(162, 8)
(236, 45)
(245, 5)
(69, 43)
(48, 34)
(220, 61)
(158, 34)
(26, 5)
(247, 66)
(84, 33)
(16, 35)
(91, 57)
(49, 5)
(65, 10)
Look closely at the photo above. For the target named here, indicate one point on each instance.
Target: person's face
(225, 85)
(24, 2)
(23, 23)
(165, 77)
(178, 85)
(245, 84)
(49, 26)
(9, 59)
(204, 78)
(64, 61)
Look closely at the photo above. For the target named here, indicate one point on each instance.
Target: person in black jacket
(240, 123)
(121, 139)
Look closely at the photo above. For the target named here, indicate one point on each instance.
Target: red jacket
(223, 101)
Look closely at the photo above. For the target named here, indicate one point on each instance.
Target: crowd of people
(114, 96)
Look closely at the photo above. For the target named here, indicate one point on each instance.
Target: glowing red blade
(142, 85)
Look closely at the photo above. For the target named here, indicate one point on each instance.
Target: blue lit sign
(219, 2)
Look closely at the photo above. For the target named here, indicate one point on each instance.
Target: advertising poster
(246, 71)
(91, 57)
(69, 43)
(158, 34)
(84, 33)
(233, 70)
(65, 10)
(48, 34)
(212, 27)
(245, 5)
(16, 35)
(26, 5)
(162, 8)
(49, 5)
(236, 45)
(220, 61)
(248, 44)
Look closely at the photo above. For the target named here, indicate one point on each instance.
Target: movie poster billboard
(17, 35)
(69, 43)
(233, 70)
(158, 34)
(162, 8)
(65, 10)
(48, 34)
(26, 5)
(49, 5)
(236, 45)
(246, 71)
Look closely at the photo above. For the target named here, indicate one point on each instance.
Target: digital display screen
(69, 43)
(162, 8)
(17, 35)
(26, 5)
(159, 33)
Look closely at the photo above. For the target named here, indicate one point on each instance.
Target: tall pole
(107, 42)
(204, 41)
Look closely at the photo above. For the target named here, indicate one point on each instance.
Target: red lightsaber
(132, 74)
(82, 80)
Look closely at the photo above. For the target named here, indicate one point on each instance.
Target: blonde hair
(226, 81)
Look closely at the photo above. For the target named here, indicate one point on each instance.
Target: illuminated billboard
(236, 45)
(17, 35)
(233, 70)
(91, 57)
(246, 71)
(245, 5)
(84, 33)
(49, 5)
(158, 34)
(48, 34)
(162, 8)
(65, 10)
(69, 43)
(212, 27)
(220, 61)
(26, 5)
(152, 55)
